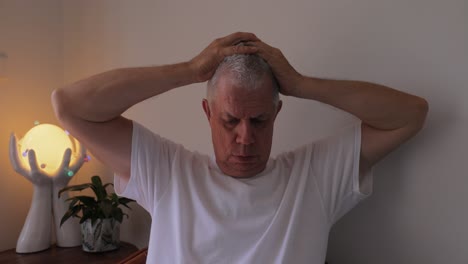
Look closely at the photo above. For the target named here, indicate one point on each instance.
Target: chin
(242, 171)
(242, 175)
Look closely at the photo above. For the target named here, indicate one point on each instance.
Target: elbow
(423, 108)
(421, 111)
(58, 104)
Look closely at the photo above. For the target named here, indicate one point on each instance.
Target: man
(242, 206)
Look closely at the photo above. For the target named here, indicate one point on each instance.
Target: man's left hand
(288, 78)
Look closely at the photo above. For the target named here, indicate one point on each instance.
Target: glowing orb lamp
(49, 142)
(48, 157)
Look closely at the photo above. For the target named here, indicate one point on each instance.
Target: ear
(278, 108)
(206, 108)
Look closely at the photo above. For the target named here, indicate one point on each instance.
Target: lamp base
(36, 233)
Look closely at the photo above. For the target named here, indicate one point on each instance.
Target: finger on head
(249, 43)
(263, 50)
(238, 49)
(259, 44)
(238, 37)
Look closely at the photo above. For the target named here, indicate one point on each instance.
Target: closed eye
(257, 121)
(231, 121)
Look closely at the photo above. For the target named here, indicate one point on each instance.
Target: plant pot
(103, 236)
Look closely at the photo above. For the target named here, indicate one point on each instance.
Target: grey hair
(247, 70)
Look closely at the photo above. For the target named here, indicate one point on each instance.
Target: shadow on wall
(137, 230)
(396, 212)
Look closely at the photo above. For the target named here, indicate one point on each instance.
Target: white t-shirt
(282, 215)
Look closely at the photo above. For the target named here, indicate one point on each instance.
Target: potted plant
(100, 216)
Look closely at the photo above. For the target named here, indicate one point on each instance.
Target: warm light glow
(49, 142)
(3, 58)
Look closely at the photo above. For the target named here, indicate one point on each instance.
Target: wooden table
(74, 255)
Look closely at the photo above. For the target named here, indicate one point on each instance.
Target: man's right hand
(205, 64)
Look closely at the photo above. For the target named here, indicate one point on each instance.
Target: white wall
(417, 212)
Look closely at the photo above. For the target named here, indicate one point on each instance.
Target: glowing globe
(49, 142)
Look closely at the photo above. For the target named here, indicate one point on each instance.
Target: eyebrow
(260, 116)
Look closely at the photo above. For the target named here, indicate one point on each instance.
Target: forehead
(234, 100)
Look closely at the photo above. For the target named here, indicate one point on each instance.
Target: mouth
(244, 158)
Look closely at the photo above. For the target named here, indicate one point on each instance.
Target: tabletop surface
(73, 255)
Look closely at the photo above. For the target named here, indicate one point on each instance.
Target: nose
(245, 133)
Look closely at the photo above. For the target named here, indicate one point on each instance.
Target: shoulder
(347, 137)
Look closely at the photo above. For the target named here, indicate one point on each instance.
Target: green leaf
(98, 189)
(65, 217)
(118, 214)
(124, 200)
(115, 199)
(73, 202)
(75, 188)
(96, 180)
(106, 206)
(89, 213)
(86, 200)
(96, 192)
(70, 212)
(102, 206)
(86, 215)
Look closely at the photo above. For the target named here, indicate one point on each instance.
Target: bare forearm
(376, 105)
(105, 96)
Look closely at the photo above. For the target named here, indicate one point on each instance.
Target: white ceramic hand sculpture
(36, 233)
(69, 234)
